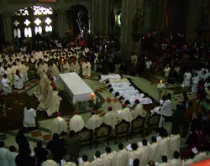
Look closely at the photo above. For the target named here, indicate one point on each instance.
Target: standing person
(187, 79)
(40, 153)
(110, 118)
(195, 81)
(125, 113)
(73, 144)
(138, 110)
(134, 61)
(6, 85)
(167, 70)
(18, 80)
(59, 124)
(86, 68)
(29, 121)
(21, 140)
(122, 156)
(94, 121)
(76, 123)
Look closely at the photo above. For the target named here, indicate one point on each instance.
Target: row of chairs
(124, 129)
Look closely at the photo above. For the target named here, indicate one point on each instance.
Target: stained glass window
(41, 23)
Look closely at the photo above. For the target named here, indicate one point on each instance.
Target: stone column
(161, 15)
(7, 27)
(61, 23)
(128, 11)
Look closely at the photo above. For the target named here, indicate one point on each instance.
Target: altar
(76, 90)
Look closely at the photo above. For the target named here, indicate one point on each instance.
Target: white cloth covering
(59, 125)
(94, 121)
(110, 118)
(77, 89)
(76, 123)
(29, 117)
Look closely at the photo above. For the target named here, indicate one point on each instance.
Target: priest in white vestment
(138, 110)
(134, 153)
(98, 161)
(144, 152)
(187, 78)
(70, 164)
(53, 103)
(66, 67)
(11, 155)
(163, 145)
(176, 160)
(18, 80)
(122, 156)
(153, 149)
(110, 157)
(59, 124)
(166, 71)
(3, 155)
(29, 117)
(6, 85)
(125, 113)
(85, 161)
(110, 118)
(76, 123)
(94, 121)
(86, 68)
(24, 71)
(75, 67)
(49, 163)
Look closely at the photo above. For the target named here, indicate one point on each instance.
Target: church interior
(104, 82)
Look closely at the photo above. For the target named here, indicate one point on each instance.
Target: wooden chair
(102, 134)
(122, 130)
(153, 122)
(137, 126)
(86, 137)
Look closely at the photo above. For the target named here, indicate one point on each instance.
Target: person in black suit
(41, 153)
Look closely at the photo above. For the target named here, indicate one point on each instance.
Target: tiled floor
(44, 133)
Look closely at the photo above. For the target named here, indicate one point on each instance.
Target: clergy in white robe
(86, 69)
(70, 164)
(165, 109)
(187, 78)
(6, 85)
(94, 121)
(53, 102)
(166, 71)
(144, 152)
(174, 144)
(85, 161)
(49, 163)
(18, 80)
(29, 117)
(55, 71)
(122, 156)
(176, 160)
(11, 155)
(138, 110)
(58, 125)
(110, 157)
(163, 145)
(195, 81)
(75, 67)
(24, 71)
(45, 98)
(66, 67)
(134, 153)
(3, 155)
(153, 149)
(125, 113)
(76, 123)
(98, 161)
(110, 118)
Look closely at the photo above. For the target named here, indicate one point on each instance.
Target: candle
(161, 81)
(92, 96)
(62, 61)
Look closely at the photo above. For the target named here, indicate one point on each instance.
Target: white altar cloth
(75, 87)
